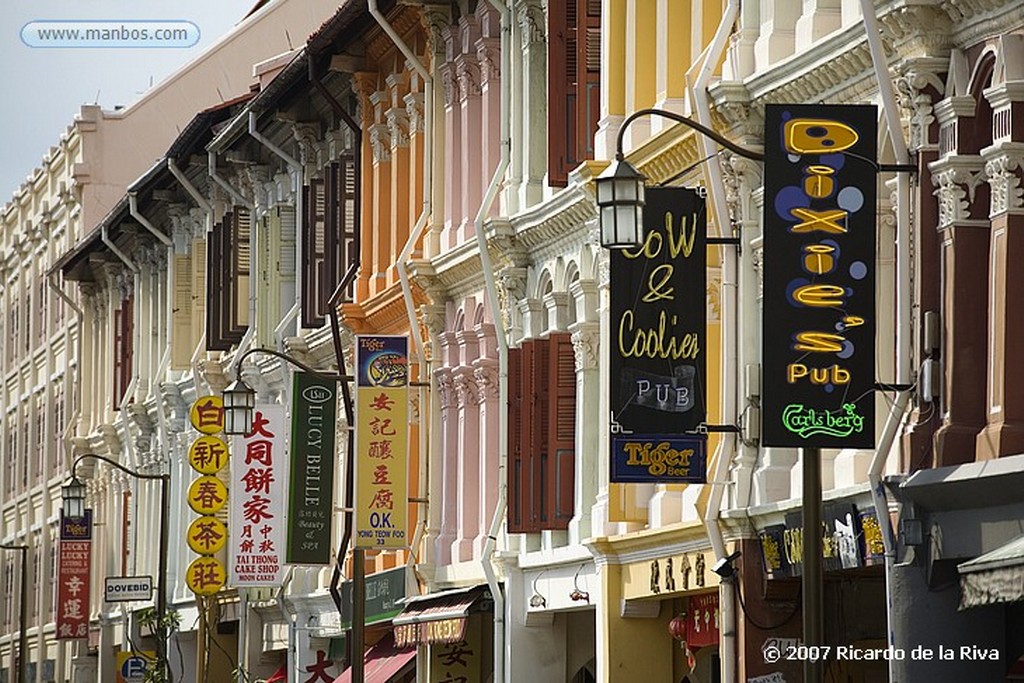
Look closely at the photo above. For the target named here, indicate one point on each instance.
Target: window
(12, 453)
(328, 237)
(14, 312)
(227, 274)
(574, 84)
(124, 329)
(58, 426)
(41, 310)
(40, 438)
(542, 428)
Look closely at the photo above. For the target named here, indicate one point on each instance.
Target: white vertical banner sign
(259, 469)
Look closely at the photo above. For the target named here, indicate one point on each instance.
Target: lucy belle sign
(819, 276)
(658, 312)
(312, 470)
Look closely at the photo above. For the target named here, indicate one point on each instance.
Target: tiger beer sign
(819, 276)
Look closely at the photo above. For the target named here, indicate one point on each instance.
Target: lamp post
(73, 499)
(239, 400)
(22, 613)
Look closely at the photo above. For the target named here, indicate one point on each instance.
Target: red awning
(279, 676)
(382, 661)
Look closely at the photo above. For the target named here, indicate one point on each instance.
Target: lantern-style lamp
(73, 498)
(677, 627)
(620, 203)
(239, 405)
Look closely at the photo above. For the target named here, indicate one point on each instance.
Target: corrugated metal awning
(993, 578)
(439, 617)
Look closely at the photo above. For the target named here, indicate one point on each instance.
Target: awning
(439, 617)
(382, 662)
(995, 577)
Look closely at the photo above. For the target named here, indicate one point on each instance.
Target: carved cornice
(384, 313)
(922, 30)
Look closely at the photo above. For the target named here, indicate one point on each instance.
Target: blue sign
(659, 458)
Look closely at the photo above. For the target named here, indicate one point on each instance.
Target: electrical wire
(746, 614)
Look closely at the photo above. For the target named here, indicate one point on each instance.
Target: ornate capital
(586, 345)
(488, 55)
(1002, 166)
(435, 18)
(449, 84)
(445, 390)
(414, 111)
(467, 69)
(511, 287)
(485, 373)
(380, 141)
(956, 179)
(398, 127)
(917, 89)
(364, 84)
(530, 17)
(465, 386)
(308, 137)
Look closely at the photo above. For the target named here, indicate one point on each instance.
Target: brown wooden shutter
(241, 267)
(516, 520)
(561, 436)
(124, 326)
(315, 256)
(347, 221)
(181, 339)
(227, 275)
(540, 422)
(574, 84)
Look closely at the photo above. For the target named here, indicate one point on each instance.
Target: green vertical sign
(311, 480)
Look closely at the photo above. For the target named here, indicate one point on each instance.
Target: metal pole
(813, 614)
(161, 596)
(22, 613)
(358, 613)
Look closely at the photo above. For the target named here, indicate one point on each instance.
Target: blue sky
(44, 87)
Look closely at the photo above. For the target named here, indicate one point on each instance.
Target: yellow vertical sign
(382, 441)
(207, 455)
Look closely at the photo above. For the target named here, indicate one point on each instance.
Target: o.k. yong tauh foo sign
(818, 335)
(658, 331)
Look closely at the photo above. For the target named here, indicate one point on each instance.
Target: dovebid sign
(819, 276)
(127, 588)
(657, 360)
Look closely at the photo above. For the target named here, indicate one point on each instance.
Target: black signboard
(841, 546)
(818, 336)
(658, 314)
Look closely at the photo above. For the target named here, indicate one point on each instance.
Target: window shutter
(182, 341)
(123, 342)
(560, 471)
(515, 442)
(348, 217)
(540, 421)
(561, 89)
(241, 266)
(215, 278)
(574, 84)
(314, 260)
(199, 304)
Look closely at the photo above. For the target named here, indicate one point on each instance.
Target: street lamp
(73, 503)
(239, 400)
(22, 614)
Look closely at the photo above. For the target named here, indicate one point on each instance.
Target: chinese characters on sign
(73, 560)
(657, 360)
(382, 426)
(702, 620)
(818, 340)
(457, 661)
(207, 495)
(258, 472)
(312, 470)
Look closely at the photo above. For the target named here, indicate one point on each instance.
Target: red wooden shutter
(540, 421)
(215, 276)
(574, 84)
(124, 326)
(515, 442)
(315, 260)
(561, 89)
(561, 435)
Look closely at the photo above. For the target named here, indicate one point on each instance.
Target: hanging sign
(702, 621)
(207, 495)
(658, 313)
(135, 667)
(382, 441)
(207, 414)
(258, 473)
(73, 563)
(818, 337)
(312, 470)
(205, 576)
(208, 455)
(206, 535)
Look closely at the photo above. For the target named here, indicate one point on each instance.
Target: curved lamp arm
(679, 118)
(118, 465)
(299, 364)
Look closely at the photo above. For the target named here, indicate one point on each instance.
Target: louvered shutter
(348, 220)
(561, 436)
(199, 302)
(215, 278)
(182, 342)
(540, 421)
(515, 442)
(123, 342)
(241, 268)
(574, 84)
(314, 258)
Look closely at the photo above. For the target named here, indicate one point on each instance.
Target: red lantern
(677, 627)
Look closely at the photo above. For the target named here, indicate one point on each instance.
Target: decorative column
(381, 209)
(467, 70)
(586, 345)
(641, 67)
(363, 84)
(447, 473)
(433, 317)
(488, 55)
(1004, 433)
(530, 108)
(674, 46)
(485, 375)
(613, 77)
(964, 232)
(467, 454)
(453, 136)
(778, 32)
(434, 18)
(819, 18)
